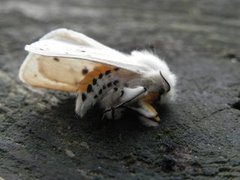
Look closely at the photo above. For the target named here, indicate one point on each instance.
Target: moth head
(158, 71)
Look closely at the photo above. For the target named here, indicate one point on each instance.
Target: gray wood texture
(199, 135)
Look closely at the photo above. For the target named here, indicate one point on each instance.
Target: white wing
(73, 37)
(57, 48)
(60, 59)
(71, 44)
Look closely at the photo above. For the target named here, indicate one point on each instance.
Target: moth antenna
(169, 87)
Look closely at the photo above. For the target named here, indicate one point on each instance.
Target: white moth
(69, 61)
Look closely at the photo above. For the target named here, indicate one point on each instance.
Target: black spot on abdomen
(89, 88)
(100, 76)
(107, 72)
(115, 82)
(84, 96)
(94, 81)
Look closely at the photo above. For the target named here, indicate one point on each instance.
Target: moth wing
(60, 48)
(54, 63)
(65, 74)
(73, 37)
(62, 42)
(55, 73)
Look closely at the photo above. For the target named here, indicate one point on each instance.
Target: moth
(69, 61)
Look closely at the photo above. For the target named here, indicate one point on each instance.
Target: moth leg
(108, 114)
(79, 106)
(112, 113)
(117, 101)
(83, 103)
(131, 95)
(127, 96)
(147, 114)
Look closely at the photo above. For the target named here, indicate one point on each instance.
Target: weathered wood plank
(41, 137)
